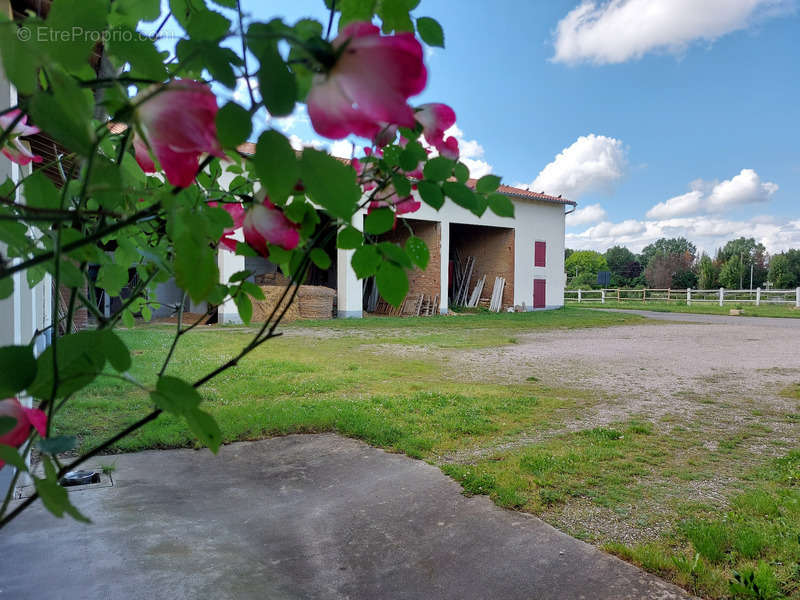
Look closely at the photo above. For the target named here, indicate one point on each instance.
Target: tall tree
(707, 273)
(585, 261)
(624, 266)
(665, 246)
(737, 257)
(671, 270)
(784, 269)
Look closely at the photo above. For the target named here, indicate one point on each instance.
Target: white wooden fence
(719, 296)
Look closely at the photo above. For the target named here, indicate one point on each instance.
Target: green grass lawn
(705, 308)
(394, 383)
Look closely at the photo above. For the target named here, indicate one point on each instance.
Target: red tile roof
(523, 194)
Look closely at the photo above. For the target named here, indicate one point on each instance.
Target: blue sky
(692, 117)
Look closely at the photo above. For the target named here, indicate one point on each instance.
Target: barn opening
(479, 256)
(424, 286)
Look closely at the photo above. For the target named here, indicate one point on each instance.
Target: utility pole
(741, 270)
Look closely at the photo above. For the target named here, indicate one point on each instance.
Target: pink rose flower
(15, 149)
(236, 211)
(369, 85)
(26, 418)
(389, 198)
(435, 119)
(178, 125)
(264, 224)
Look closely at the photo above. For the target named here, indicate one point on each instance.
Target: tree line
(674, 263)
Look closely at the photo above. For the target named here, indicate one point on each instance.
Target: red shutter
(539, 292)
(539, 253)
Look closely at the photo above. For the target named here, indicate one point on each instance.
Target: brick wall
(427, 281)
(493, 249)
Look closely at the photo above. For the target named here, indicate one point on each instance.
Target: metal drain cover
(80, 478)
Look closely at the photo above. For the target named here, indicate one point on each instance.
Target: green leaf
(114, 349)
(20, 58)
(276, 165)
(80, 360)
(431, 193)
(438, 168)
(175, 396)
(461, 172)
(54, 497)
(401, 185)
(276, 83)
(65, 112)
(366, 261)
(11, 456)
(207, 25)
(6, 287)
(430, 31)
(355, 10)
(392, 283)
(57, 445)
(395, 253)
(205, 428)
(321, 258)
(7, 424)
(239, 276)
(18, 369)
(417, 251)
(379, 221)
(461, 195)
(330, 183)
(74, 29)
(225, 3)
(252, 290)
(487, 184)
(501, 204)
(233, 125)
(40, 192)
(349, 238)
(133, 11)
(127, 318)
(112, 278)
(244, 306)
(129, 46)
(196, 269)
(394, 14)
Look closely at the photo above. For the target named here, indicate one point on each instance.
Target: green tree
(624, 266)
(664, 246)
(707, 273)
(671, 270)
(747, 253)
(784, 269)
(585, 261)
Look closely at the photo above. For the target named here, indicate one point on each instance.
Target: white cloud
(685, 204)
(744, 188)
(591, 163)
(707, 232)
(342, 148)
(588, 214)
(616, 31)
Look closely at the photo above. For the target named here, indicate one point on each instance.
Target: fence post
(669, 291)
(721, 296)
(579, 296)
(688, 296)
(602, 296)
(644, 294)
(617, 294)
(797, 298)
(758, 296)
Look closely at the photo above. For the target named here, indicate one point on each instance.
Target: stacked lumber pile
(462, 275)
(496, 302)
(415, 305)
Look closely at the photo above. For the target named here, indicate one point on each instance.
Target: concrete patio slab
(303, 516)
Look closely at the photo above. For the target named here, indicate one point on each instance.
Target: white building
(527, 250)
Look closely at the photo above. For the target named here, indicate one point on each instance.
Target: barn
(526, 251)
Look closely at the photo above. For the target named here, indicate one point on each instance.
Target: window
(539, 253)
